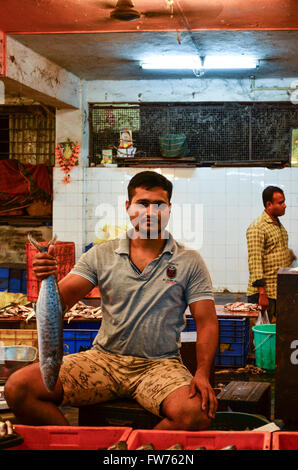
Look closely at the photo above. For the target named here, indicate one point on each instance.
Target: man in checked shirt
(267, 244)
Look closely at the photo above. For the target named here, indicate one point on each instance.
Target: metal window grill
(27, 134)
(216, 132)
(108, 121)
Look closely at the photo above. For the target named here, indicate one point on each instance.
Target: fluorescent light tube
(229, 62)
(195, 63)
(172, 62)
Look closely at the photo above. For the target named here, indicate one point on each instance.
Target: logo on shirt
(171, 272)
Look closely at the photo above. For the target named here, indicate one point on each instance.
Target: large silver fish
(49, 319)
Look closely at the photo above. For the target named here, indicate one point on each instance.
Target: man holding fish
(146, 280)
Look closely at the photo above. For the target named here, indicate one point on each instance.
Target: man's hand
(201, 385)
(263, 299)
(45, 264)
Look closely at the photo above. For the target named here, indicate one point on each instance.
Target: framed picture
(294, 147)
(125, 138)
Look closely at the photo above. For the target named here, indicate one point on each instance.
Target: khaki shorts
(94, 376)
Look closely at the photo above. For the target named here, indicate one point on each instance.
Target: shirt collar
(123, 247)
(268, 219)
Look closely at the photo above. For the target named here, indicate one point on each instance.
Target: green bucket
(265, 340)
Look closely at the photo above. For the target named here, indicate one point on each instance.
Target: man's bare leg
(182, 412)
(30, 401)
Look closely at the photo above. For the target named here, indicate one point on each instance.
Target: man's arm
(204, 314)
(255, 248)
(74, 288)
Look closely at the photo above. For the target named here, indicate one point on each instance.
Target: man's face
(149, 211)
(277, 207)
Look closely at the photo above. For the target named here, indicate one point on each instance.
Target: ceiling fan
(126, 11)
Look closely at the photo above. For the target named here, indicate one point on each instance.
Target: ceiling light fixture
(173, 62)
(230, 62)
(196, 63)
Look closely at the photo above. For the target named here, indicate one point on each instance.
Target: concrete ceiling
(80, 36)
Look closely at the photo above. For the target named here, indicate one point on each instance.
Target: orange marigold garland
(67, 154)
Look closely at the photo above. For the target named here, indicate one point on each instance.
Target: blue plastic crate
(230, 361)
(14, 284)
(13, 280)
(3, 283)
(234, 342)
(235, 329)
(78, 340)
(4, 273)
(190, 324)
(82, 325)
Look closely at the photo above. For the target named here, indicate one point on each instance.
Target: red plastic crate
(69, 437)
(212, 440)
(65, 254)
(285, 440)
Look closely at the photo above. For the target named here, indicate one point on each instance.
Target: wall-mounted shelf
(156, 162)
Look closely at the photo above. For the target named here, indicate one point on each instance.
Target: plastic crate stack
(234, 340)
(65, 255)
(13, 280)
(79, 338)
(190, 324)
(233, 348)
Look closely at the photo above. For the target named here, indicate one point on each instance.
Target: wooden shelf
(156, 162)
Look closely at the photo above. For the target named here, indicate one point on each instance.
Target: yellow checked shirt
(267, 245)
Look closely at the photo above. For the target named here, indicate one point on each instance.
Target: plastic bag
(173, 145)
(263, 318)
(7, 298)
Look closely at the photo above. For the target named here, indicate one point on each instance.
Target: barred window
(27, 134)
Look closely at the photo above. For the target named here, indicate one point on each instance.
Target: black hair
(148, 180)
(268, 194)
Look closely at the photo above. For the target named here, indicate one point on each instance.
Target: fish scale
(49, 320)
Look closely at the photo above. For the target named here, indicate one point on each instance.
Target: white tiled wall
(212, 209)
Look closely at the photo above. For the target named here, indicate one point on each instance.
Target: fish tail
(38, 246)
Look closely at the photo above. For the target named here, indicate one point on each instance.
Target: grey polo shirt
(143, 312)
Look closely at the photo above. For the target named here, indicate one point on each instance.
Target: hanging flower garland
(67, 154)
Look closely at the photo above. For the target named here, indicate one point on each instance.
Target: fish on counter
(17, 310)
(49, 320)
(242, 307)
(79, 310)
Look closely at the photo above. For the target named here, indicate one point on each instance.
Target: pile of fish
(83, 311)
(121, 445)
(26, 313)
(16, 310)
(242, 307)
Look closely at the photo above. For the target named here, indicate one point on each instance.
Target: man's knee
(195, 421)
(190, 417)
(16, 389)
